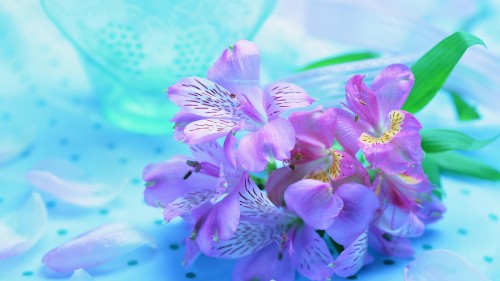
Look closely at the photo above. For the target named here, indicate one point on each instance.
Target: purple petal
(255, 205)
(203, 97)
(282, 96)
(248, 239)
(267, 264)
(237, 67)
(442, 265)
(399, 222)
(220, 224)
(398, 149)
(192, 251)
(391, 87)
(210, 129)
(282, 178)
(23, 227)
(352, 259)
(311, 256)
(360, 204)
(342, 166)
(432, 209)
(348, 130)
(314, 201)
(186, 202)
(181, 120)
(230, 149)
(389, 245)
(313, 131)
(97, 247)
(274, 140)
(80, 275)
(70, 183)
(167, 181)
(362, 101)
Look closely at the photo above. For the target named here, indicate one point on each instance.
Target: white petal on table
(442, 265)
(69, 183)
(21, 229)
(97, 247)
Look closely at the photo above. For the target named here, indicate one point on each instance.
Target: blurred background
(83, 85)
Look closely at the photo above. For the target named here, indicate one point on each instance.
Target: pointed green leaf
(465, 112)
(341, 59)
(462, 165)
(439, 140)
(433, 68)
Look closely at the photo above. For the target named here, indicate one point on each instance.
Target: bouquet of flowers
(307, 193)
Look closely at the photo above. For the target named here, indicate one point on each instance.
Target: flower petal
(181, 120)
(169, 180)
(314, 131)
(255, 206)
(282, 96)
(97, 247)
(391, 87)
(350, 261)
(314, 201)
(389, 245)
(22, 228)
(267, 264)
(210, 129)
(187, 202)
(398, 222)
(71, 184)
(398, 149)
(221, 222)
(441, 265)
(348, 130)
(80, 275)
(248, 239)
(203, 97)
(362, 101)
(237, 67)
(192, 251)
(360, 204)
(282, 178)
(274, 140)
(311, 256)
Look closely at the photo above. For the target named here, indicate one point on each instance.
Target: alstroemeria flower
(274, 242)
(210, 182)
(318, 176)
(374, 121)
(231, 99)
(406, 205)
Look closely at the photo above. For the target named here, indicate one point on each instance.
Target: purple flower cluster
(350, 178)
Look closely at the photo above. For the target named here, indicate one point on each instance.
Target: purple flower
(388, 136)
(230, 100)
(273, 242)
(203, 189)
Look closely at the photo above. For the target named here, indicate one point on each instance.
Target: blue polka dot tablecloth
(49, 111)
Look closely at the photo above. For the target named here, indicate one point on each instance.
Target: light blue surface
(46, 96)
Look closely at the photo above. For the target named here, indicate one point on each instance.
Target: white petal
(21, 229)
(97, 247)
(72, 184)
(81, 275)
(442, 265)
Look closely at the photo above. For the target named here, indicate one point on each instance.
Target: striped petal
(267, 264)
(282, 96)
(97, 247)
(21, 229)
(352, 259)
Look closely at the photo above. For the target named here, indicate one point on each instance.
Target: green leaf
(458, 164)
(340, 59)
(465, 112)
(432, 172)
(439, 140)
(433, 68)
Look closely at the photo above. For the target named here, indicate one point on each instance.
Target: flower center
(395, 120)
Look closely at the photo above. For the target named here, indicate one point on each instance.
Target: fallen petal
(97, 247)
(81, 275)
(441, 265)
(22, 228)
(71, 184)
